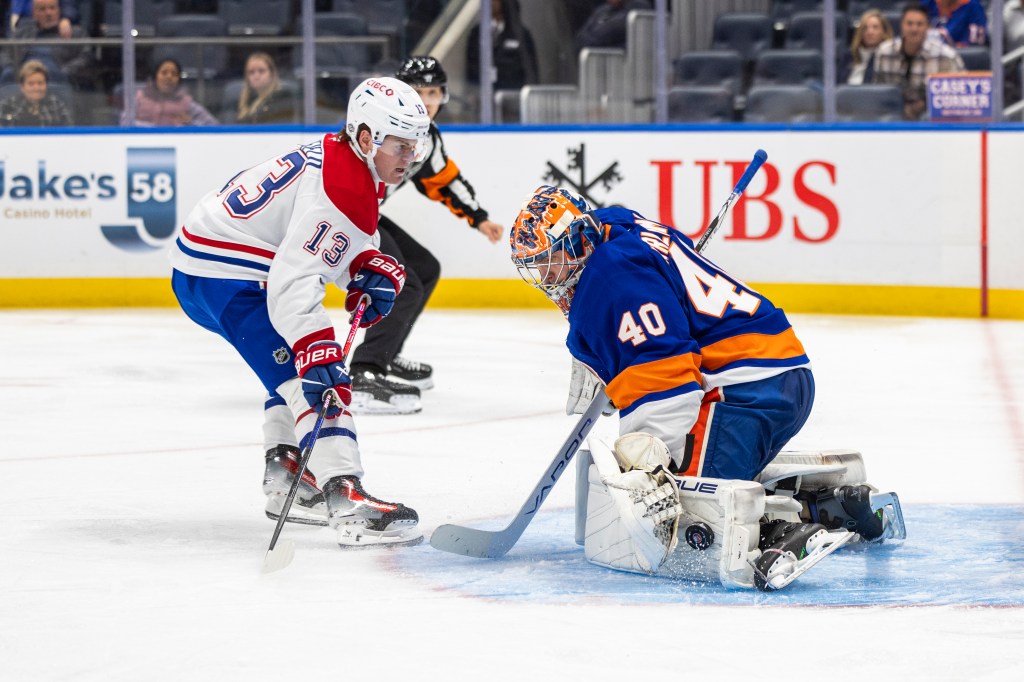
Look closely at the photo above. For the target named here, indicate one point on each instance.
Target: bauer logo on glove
(320, 367)
(381, 278)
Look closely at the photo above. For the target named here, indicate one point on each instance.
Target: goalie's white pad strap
(816, 468)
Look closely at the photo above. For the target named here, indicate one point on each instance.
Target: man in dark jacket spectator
(513, 53)
(65, 63)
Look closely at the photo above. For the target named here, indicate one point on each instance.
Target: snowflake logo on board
(607, 178)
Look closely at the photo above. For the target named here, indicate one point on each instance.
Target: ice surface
(133, 528)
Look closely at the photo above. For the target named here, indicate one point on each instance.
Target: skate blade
(365, 403)
(829, 543)
(317, 521)
(279, 557)
(422, 384)
(889, 504)
(357, 536)
(315, 516)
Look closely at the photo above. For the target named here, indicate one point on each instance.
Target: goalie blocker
(633, 515)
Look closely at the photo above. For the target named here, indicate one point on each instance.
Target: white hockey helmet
(386, 106)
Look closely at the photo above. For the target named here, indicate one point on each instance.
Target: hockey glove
(320, 367)
(380, 277)
(583, 386)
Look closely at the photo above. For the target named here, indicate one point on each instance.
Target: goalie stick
(759, 158)
(279, 557)
(492, 544)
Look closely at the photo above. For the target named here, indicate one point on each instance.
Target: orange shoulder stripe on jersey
(651, 377)
(435, 183)
(753, 346)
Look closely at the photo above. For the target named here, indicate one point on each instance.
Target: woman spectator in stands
(874, 29)
(164, 101)
(263, 100)
(33, 107)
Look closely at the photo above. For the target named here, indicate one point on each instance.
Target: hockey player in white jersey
(683, 349)
(252, 263)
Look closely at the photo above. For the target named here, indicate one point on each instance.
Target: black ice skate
(363, 520)
(789, 549)
(308, 506)
(875, 517)
(373, 393)
(419, 374)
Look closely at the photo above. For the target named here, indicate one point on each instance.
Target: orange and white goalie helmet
(551, 240)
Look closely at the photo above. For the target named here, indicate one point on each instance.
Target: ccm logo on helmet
(377, 85)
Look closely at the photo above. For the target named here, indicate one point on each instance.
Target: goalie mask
(551, 240)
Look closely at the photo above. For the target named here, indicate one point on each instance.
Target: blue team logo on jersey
(152, 190)
(607, 178)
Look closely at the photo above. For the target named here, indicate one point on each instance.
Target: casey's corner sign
(964, 97)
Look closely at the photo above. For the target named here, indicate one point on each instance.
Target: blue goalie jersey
(658, 323)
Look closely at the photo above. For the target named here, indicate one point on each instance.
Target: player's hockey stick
(278, 557)
(491, 544)
(759, 158)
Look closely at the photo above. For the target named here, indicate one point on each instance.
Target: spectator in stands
(69, 14)
(419, 16)
(64, 63)
(959, 22)
(1013, 25)
(874, 29)
(1013, 38)
(514, 54)
(606, 26)
(164, 101)
(263, 100)
(34, 107)
(908, 59)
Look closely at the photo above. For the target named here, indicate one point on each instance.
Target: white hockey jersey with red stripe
(296, 222)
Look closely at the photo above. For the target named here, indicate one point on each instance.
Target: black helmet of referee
(423, 71)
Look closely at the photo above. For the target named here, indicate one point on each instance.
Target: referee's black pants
(384, 340)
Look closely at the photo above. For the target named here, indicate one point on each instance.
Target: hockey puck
(699, 536)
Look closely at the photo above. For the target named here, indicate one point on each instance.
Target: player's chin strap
(368, 158)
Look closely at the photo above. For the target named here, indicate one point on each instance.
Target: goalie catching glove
(381, 278)
(320, 367)
(644, 499)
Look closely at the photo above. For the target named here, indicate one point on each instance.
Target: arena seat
(782, 104)
(700, 104)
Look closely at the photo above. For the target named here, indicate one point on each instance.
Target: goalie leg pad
(832, 487)
(719, 520)
(732, 509)
(814, 469)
